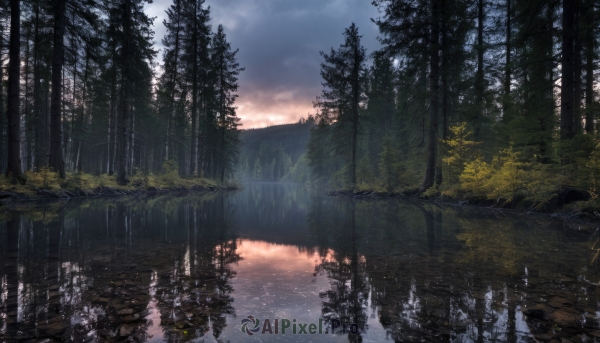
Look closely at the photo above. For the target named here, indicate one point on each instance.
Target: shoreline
(548, 209)
(10, 198)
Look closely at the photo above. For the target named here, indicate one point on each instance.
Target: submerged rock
(126, 330)
(534, 313)
(567, 316)
(53, 329)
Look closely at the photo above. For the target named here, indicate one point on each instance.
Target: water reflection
(442, 274)
(151, 269)
(190, 268)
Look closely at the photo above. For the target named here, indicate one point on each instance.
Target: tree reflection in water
(163, 268)
(347, 300)
(157, 267)
(441, 274)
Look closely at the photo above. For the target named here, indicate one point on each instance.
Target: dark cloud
(279, 43)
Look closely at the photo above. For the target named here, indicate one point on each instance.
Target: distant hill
(269, 153)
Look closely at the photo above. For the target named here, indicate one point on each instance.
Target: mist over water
(191, 268)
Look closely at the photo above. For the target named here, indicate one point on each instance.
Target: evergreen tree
(135, 42)
(408, 31)
(344, 83)
(171, 57)
(389, 164)
(56, 155)
(13, 115)
(226, 71)
(380, 113)
(195, 39)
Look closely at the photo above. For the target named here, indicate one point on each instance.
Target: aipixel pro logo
(255, 323)
(252, 326)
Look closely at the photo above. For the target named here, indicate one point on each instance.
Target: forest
(485, 99)
(82, 94)
(275, 153)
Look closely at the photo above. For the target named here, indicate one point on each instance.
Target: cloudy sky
(279, 43)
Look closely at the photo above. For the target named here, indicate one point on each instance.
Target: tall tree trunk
(81, 152)
(193, 143)
(508, 67)
(223, 154)
(445, 95)
(75, 138)
(112, 136)
(131, 140)
(479, 81)
(29, 122)
(56, 152)
(223, 119)
(56, 156)
(566, 93)
(40, 127)
(172, 90)
(589, 77)
(13, 117)
(124, 110)
(355, 100)
(2, 110)
(578, 128)
(433, 98)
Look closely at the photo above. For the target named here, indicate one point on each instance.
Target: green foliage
(389, 165)
(170, 177)
(284, 143)
(141, 179)
(300, 172)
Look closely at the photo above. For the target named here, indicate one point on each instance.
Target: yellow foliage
(458, 151)
(475, 177)
(509, 175)
(45, 178)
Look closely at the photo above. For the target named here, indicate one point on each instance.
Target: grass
(49, 180)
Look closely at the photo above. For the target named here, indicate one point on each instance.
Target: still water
(191, 268)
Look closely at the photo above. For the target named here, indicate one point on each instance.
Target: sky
(279, 43)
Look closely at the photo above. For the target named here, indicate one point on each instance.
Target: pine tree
(408, 31)
(380, 113)
(135, 41)
(344, 76)
(195, 39)
(171, 57)
(567, 93)
(56, 156)
(226, 69)
(389, 164)
(13, 115)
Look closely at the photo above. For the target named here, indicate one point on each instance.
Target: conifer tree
(344, 83)
(56, 149)
(406, 31)
(171, 57)
(226, 71)
(13, 115)
(196, 38)
(135, 42)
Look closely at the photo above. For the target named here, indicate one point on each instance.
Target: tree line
(84, 91)
(460, 91)
(269, 154)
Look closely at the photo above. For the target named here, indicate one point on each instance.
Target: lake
(277, 262)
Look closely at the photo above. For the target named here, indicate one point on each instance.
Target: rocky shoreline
(8, 198)
(562, 206)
